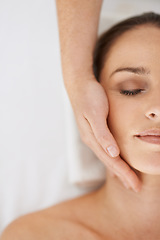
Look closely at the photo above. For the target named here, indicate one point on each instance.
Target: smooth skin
(78, 24)
(113, 212)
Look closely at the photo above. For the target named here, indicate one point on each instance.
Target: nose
(153, 110)
(153, 115)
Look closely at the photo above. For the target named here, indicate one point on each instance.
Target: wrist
(77, 77)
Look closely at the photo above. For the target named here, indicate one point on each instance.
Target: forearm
(78, 23)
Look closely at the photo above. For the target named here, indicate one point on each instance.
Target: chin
(145, 163)
(151, 167)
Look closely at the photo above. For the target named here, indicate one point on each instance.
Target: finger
(116, 165)
(126, 185)
(104, 137)
(124, 172)
(128, 174)
(112, 174)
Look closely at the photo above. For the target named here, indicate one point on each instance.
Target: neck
(137, 213)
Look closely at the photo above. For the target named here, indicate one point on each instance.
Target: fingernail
(113, 151)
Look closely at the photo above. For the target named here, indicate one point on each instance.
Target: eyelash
(131, 93)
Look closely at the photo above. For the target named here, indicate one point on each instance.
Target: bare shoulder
(64, 221)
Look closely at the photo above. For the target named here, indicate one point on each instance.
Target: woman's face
(133, 64)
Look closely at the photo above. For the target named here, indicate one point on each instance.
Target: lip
(150, 136)
(149, 132)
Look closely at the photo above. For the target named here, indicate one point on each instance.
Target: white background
(32, 120)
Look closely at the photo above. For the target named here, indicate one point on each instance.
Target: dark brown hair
(107, 39)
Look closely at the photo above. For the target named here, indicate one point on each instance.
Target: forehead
(140, 46)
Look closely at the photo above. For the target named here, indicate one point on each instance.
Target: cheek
(122, 118)
(118, 117)
(120, 121)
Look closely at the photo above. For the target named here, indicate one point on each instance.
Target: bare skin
(63, 221)
(110, 213)
(78, 24)
(73, 219)
(113, 212)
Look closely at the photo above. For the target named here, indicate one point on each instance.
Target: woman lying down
(127, 64)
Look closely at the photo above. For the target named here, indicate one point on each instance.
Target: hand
(90, 105)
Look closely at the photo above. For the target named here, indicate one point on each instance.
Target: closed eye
(131, 92)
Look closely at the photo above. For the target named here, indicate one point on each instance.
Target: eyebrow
(135, 70)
